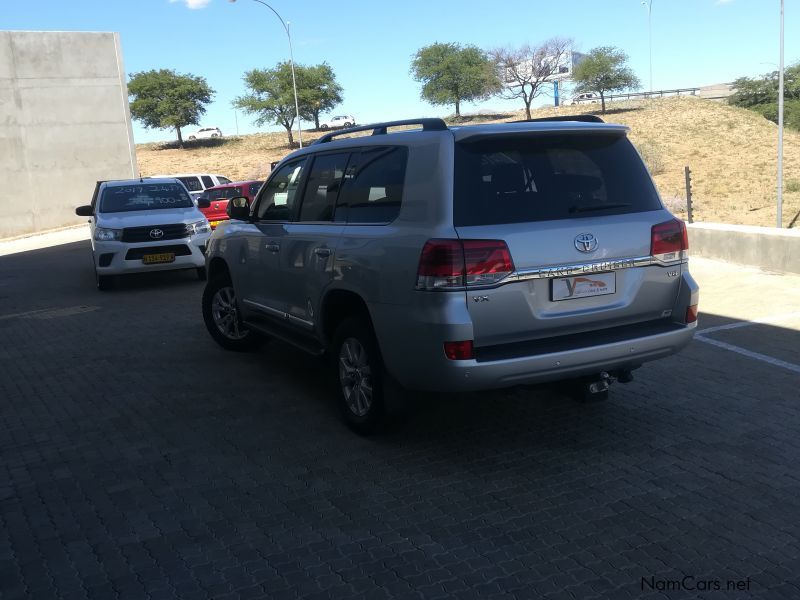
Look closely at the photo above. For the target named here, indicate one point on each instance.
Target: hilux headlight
(199, 227)
(101, 234)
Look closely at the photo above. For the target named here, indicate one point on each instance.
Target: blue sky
(369, 44)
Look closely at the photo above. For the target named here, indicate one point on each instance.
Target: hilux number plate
(582, 286)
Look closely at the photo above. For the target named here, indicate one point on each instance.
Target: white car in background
(206, 133)
(196, 183)
(338, 122)
(142, 225)
(588, 97)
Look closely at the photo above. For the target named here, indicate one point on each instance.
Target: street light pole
(291, 62)
(780, 128)
(649, 4)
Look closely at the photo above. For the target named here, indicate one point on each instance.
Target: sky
(370, 44)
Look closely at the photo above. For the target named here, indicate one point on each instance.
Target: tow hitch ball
(605, 379)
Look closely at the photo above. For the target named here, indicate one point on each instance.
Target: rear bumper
(411, 339)
(432, 371)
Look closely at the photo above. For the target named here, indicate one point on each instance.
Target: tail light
(459, 350)
(669, 241)
(449, 264)
(691, 314)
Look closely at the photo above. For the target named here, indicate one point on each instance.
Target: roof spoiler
(581, 118)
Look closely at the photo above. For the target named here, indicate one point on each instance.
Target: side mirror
(203, 203)
(84, 211)
(238, 209)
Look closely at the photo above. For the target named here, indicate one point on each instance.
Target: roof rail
(430, 124)
(582, 118)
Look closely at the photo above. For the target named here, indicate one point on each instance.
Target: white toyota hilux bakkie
(140, 225)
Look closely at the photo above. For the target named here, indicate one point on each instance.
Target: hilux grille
(174, 231)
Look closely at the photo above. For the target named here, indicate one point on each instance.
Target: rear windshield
(224, 193)
(192, 184)
(145, 196)
(548, 177)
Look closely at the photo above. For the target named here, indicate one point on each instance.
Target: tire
(323, 127)
(192, 138)
(201, 273)
(223, 319)
(359, 376)
(347, 124)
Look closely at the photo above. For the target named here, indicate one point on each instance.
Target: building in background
(64, 124)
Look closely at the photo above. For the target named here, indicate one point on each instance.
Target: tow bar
(596, 387)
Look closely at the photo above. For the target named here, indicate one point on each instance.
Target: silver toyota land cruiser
(457, 258)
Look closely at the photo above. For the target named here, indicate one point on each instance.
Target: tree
(452, 74)
(527, 69)
(317, 90)
(165, 99)
(271, 97)
(604, 70)
(753, 92)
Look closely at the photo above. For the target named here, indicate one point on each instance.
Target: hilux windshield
(549, 176)
(144, 196)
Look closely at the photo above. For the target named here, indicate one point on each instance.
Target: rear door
(576, 212)
(308, 250)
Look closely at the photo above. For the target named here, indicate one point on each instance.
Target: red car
(219, 195)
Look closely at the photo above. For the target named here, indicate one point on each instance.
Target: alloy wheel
(226, 315)
(355, 377)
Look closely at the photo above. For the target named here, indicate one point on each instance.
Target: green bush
(792, 185)
(791, 112)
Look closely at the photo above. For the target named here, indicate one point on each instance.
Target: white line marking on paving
(749, 353)
(773, 319)
(51, 313)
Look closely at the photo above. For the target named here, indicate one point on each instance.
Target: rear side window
(192, 184)
(277, 199)
(208, 182)
(549, 177)
(223, 179)
(322, 188)
(372, 191)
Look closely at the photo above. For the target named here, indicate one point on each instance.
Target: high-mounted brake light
(669, 241)
(447, 264)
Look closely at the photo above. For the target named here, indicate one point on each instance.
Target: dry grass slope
(731, 152)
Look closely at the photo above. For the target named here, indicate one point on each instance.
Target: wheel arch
(217, 267)
(339, 304)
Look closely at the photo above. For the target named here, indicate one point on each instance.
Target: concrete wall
(766, 247)
(64, 124)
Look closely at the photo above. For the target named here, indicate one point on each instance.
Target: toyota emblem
(586, 242)
(157, 234)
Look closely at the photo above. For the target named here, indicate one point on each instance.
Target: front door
(274, 209)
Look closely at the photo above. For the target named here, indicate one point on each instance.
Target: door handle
(273, 247)
(322, 252)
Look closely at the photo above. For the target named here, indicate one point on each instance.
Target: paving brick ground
(139, 460)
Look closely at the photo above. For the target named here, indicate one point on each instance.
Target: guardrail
(628, 96)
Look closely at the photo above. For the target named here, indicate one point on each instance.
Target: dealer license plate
(582, 286)
(154, 259)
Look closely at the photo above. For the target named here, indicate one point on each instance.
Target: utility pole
(780, 128)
